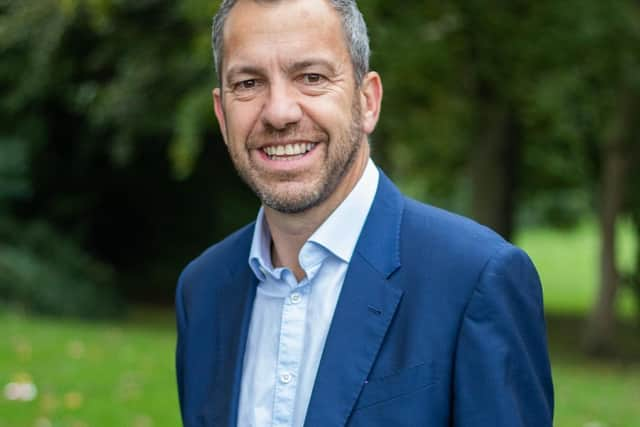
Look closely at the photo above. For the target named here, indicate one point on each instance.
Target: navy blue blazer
(439, 323)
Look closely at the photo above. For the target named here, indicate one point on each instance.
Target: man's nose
(282, 107)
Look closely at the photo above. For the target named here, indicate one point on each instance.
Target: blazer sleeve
(502, 374)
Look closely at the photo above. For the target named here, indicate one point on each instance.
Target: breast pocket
(403, 383)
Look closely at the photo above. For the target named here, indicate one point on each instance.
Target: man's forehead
(283, 28)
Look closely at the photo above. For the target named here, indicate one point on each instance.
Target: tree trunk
(616, 155)
(493, 169)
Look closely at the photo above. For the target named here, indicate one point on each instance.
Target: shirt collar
(338, 233)
(260, 253)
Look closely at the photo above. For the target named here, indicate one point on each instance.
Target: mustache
(294, 132)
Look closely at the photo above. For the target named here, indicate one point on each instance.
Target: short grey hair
(353, 26)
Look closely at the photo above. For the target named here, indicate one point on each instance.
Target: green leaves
(42, 271)
(192, 117)
(14, 182)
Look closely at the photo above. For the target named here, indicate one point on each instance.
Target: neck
(289, 232)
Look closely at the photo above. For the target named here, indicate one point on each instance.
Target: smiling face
(293, 119)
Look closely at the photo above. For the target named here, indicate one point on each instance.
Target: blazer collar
(367, 304)
(379, 242)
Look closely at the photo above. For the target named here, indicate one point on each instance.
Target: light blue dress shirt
(291, 319)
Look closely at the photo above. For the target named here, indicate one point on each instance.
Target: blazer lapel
(363, 314)
(234, 307)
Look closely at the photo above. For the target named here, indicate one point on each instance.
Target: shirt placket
(291, 344)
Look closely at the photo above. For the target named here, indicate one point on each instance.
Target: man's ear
(370, 101)
(217, 108)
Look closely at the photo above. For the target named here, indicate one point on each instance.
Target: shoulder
(224, 257)
(464, 253)
(449, 234)
(457, 250)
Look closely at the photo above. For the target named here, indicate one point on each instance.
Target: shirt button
(285, 378)
(295, 298)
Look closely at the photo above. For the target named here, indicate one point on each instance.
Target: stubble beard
(340, 157)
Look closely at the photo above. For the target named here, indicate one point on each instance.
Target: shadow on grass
(566, 333)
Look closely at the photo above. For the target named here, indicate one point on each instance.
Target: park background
(521, 114)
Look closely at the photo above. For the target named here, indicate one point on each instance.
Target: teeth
(288, 149)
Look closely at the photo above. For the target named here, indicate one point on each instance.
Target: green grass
(121, 374)
(568, 264)
(589, 393)
(89, 374)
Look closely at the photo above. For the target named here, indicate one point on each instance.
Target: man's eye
(246, 84)
(312, 78)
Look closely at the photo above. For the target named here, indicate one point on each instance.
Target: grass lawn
(591, 393)
(121, 373)
(568, 263)
(89, 374)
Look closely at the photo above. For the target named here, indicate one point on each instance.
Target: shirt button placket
(292, 334)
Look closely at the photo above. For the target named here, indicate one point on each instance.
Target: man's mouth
(287, 151)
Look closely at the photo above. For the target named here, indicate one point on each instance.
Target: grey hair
(353, 26)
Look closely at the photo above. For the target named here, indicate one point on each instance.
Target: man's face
(289, 108)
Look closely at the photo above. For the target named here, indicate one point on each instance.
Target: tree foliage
(110, 102)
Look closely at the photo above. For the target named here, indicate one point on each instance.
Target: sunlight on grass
(587, 393)
(568, 264)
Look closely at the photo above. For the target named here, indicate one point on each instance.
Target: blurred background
(521, 114)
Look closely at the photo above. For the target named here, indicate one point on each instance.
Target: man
(345, 303)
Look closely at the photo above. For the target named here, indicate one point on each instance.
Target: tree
(111, 102)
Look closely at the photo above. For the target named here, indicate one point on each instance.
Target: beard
(340, 154)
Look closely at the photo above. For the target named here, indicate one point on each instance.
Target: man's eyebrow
(306, 63)
(242, 69)
(292, 68)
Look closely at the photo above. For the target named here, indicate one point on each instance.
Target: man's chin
(283, 201)
(288, 206)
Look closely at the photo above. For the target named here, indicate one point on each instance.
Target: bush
(44, 272)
